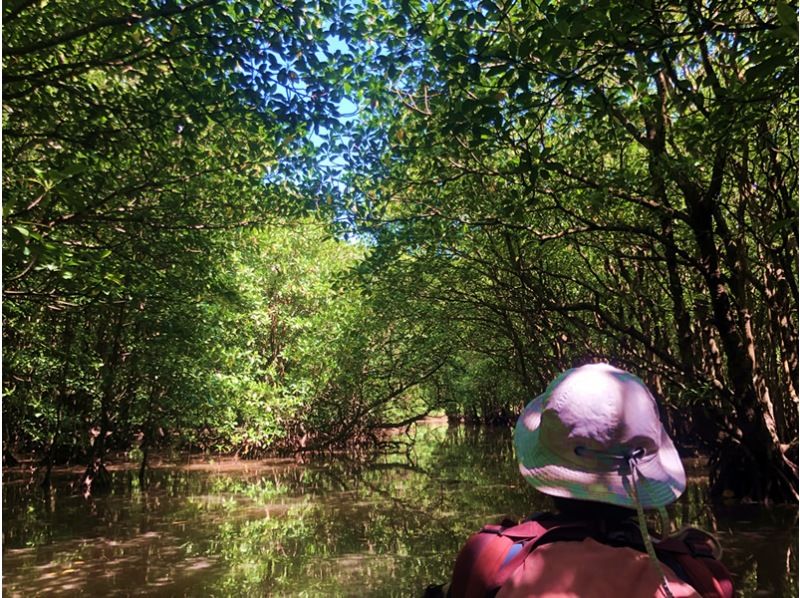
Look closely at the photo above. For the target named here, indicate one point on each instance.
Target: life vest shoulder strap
(694, 554)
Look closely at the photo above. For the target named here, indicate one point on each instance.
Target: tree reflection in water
(331, 527)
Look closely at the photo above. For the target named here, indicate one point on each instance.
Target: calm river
(330, 527)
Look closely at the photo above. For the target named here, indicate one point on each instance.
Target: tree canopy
(201, 247)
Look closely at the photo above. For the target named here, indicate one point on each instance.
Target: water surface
(333, 526)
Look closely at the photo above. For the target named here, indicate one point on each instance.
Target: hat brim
(660, 481)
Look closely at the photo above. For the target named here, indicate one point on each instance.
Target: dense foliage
(572, 180)
(199, 248)
(161, 281)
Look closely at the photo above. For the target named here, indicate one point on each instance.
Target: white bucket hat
(595, 434)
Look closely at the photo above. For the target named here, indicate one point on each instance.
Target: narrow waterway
(329, 527)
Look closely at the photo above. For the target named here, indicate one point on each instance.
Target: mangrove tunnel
(277, 234)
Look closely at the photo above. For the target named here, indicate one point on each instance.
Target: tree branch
(127, 20)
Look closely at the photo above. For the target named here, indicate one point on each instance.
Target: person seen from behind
(595, 443)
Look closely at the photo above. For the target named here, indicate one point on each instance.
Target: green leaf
(21, 230)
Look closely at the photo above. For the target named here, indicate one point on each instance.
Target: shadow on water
(332, 527)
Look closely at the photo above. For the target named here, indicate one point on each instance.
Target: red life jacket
(491, 556)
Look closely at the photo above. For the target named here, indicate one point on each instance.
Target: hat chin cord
(633, 491)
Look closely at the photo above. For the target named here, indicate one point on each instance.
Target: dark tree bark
(769, 474)
(61, 397)
(96, 477)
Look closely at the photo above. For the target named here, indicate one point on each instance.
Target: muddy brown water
(328, 527)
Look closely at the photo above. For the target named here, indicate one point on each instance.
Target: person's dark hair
(588, 510)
